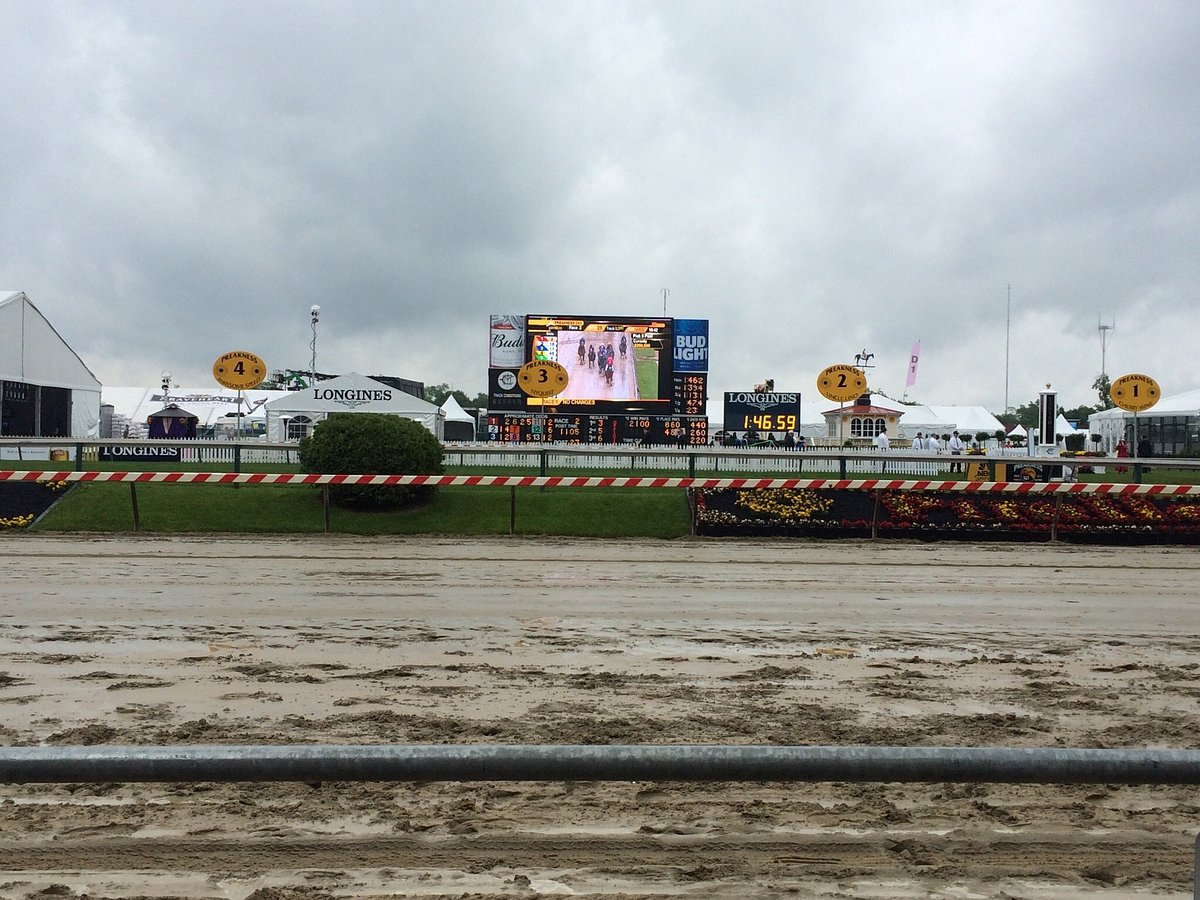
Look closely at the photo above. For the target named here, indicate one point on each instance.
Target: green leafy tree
(437, 394)
(1026, 414)
(373, 444)
(1103, 385)
(1079, 414)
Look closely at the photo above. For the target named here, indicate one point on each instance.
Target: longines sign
(352, 397)
(762, 401)
(151, 452)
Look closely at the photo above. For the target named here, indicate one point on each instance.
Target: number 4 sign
(239, 370)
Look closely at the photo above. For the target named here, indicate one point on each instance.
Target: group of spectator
(752, 438)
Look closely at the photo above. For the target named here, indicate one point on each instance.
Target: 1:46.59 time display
(768, 422)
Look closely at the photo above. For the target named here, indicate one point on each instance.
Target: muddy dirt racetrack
(343, 640)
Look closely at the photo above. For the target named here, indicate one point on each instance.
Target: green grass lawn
(267, 509)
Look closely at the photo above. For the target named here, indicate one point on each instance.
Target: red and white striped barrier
(854, 484)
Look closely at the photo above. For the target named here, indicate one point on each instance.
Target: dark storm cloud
(812, 177)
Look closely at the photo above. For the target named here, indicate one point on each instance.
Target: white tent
(968, 420)
(46, 388)
(922, 420)
(1181, 410)
(131, 406)
(295, 413)
(460, 425)
(1062, 427)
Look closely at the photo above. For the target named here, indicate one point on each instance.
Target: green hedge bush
(372, 444)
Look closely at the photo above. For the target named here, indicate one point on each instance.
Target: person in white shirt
(882, 444)
(956, 448)
(932, 443)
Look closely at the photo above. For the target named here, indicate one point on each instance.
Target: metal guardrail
(546, 457)
(574, 762)
(567, 762)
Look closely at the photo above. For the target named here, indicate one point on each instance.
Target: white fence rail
(845, 461)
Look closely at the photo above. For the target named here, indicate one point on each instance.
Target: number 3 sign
(542, 378)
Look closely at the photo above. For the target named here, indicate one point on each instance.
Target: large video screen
(612, 364)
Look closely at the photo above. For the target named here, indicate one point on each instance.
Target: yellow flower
(784, 503)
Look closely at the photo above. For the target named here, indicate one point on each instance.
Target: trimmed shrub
(1074, 441)
(373, 444)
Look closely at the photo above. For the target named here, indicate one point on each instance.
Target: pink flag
(912, 365)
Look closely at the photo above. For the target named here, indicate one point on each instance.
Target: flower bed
(21, 502)
(934, 515)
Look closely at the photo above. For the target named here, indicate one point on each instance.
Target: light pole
(312, 368)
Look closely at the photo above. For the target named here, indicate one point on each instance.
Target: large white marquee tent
(45, 388)
(296, 413)
(1172, 425)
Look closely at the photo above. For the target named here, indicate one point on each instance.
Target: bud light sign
(691, 345)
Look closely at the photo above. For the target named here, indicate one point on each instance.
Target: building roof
(32, 350)
(863, 410)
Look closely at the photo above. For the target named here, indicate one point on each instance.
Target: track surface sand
(340, 640)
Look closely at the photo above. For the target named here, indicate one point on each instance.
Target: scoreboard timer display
(762, 412)
(691, 431)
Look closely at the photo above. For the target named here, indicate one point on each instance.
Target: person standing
(882, 445)
(956, 448)
(1122, 453)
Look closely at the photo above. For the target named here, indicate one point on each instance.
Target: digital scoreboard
(762, 412)
(628, 379)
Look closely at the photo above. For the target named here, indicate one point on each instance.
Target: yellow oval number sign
(1134, 393)
(841, 383)
(239, 370)
(542, 378)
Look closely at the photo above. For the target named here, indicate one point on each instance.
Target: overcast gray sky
(815, 178)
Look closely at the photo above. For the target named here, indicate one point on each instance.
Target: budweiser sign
(508, 342)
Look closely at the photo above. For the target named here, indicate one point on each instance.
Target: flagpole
(1007, 333)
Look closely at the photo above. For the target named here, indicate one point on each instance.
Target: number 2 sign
(841, 383)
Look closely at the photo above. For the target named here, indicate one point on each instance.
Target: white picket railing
(716, 460)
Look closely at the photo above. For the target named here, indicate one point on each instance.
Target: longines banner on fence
(150, 453)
